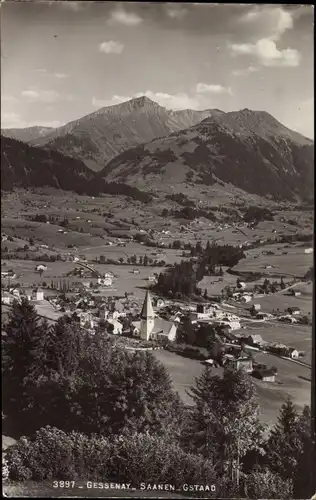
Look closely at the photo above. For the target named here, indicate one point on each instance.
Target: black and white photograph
(157, 250)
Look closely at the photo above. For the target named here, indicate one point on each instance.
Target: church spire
(147, 310)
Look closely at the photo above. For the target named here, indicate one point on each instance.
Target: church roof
(147, 309)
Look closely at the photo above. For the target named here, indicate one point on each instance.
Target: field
(298, 336)
(281, 301)
(296, 263)
(183, 372)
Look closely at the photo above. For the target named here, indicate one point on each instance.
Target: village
(90, 298)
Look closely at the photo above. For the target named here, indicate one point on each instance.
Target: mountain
(250, 150)
(26, 134)
(98, 137)
(23, 165)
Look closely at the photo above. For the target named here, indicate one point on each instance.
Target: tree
(303, 477)
(24, 334)
(223, 423)
(284, 445)
(205, 295)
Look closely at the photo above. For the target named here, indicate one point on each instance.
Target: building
(264, 374)
(294, 353)
(256, 307)
(242, 361)
(152, 327)
(117, 326)
(41, 267)
(294, 310)
(39, 295)
(295, 293)
(245, 298)
(255, 339)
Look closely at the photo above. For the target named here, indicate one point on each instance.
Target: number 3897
(63, 484)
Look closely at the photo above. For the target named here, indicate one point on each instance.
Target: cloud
(175, 101)
(46, 96)
(267, 53)
(202, 88)
(246, 71)
(176, 12)
(8, 98)
(60, 75)
(111, 47)
(267, 21)
(10, 119)
(120, 16)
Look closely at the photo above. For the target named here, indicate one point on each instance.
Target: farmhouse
(152, 327)
(255, 339)
(265, 374)
(117, 326)
(256, 307)
(41, 267)
(39, 294)
(246, 298)
(295, 293)
(294, 310)
(241, 361)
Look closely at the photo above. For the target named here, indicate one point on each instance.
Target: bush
(130, 457)
(267, 485)
(55, 454)
(5, 469)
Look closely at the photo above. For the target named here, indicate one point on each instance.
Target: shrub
(55, 454)
(5, 469)
(266, 484)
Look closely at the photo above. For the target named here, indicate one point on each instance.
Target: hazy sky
(62, 60)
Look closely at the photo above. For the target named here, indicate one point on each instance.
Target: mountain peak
(142, 101)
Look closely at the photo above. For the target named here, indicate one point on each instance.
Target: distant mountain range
(140, 143)
(26, 134)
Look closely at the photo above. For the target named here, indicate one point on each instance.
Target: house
(256, 307)
(294, 353)
(308, 250)
(39, 294)
(159, 303)
(86, 319)
(153, 327)
(265, 374)
(117, 326)
(41, 267)
(246, 298)
(294, 310)
(288, 319)
(241, 361)
(241, 284)
(262, 315)
(255, 339)
(295, 293)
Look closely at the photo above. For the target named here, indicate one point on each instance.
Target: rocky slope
(26, 134)
(97, 138)
(248, 149)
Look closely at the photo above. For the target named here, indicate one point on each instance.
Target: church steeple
(147, 318)
(147, 309)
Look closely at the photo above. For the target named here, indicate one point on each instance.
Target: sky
(61, 60)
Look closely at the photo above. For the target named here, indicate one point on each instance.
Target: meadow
(183, 372)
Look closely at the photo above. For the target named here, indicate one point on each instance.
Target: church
(151, 327)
